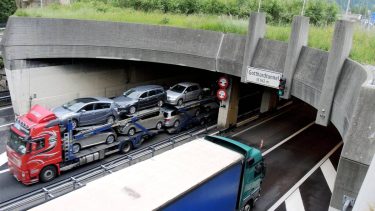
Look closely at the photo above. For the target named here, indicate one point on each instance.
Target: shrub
(7, 8)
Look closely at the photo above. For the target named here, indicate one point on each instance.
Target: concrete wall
(54, 85)
(353, 94)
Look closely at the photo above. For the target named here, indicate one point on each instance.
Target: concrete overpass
(342, 90)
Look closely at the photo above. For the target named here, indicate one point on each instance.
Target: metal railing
(49, 192)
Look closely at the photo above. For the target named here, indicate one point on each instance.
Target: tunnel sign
(263, 77)
(221, 94)
(223, 82)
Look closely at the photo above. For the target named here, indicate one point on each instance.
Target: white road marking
(294, 202)
(244, 130)
(5, 125)
(3, 158)
(329, 173)
(286, 104)
(304, 178)
(287, 139)
(6, 108)
(4, 171)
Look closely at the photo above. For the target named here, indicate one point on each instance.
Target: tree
(7, 8)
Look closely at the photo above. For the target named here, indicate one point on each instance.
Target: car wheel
(74, 124)
(76, 148)
(159, 125)
(131, 131)
(160, 103)
(176, 124)
(132, 109)
(200, 97)
(197, 112)
(110, 139)
(126, 147)
(179, 102)
(48, 173)
(111, 120)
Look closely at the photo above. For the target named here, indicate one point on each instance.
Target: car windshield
(17, 143)
(131, 93)
(77, 104)
(178, 88)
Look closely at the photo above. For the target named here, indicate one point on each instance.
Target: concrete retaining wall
(353, 95)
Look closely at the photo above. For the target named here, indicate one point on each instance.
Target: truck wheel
(159, 125)
(48, 173)
(176, 124)
(179, 102)
(110, 139)
(249, 205)
(110, 120)
(126, 147)
(131, 131)
(76, 148)
(132, 109)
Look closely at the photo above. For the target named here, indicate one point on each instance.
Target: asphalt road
(291, 144)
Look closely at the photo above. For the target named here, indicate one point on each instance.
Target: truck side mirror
(33, 146)
(250, 162)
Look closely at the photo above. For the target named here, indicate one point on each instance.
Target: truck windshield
(17, 143)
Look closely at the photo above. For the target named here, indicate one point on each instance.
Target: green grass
(319, 37)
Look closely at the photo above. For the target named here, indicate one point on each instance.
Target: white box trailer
(220, 174)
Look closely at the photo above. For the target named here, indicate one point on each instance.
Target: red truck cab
(34, 147)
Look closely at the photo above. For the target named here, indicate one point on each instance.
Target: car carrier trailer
(40, 147)
(214, 173)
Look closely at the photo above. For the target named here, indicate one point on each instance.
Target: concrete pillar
(298, 39)
(341, 45)
(228, 110)
(256, 30)
(366, 196)
(269, 100)
(359, 147)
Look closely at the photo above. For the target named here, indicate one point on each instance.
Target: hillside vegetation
(319, 36)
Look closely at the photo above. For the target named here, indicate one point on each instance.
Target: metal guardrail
(49, 192)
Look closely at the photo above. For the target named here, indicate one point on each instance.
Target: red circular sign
(221, 94)
(223, 82)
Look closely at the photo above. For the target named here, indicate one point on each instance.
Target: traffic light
(281, 86)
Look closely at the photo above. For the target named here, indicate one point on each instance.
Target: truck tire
(249, 205)
(126, 147)
(48, 173)
(76, 148)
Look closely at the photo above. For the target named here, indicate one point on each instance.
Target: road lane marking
(3, 158)
(264, 121)
(304, 178)
(4, 171)
(329, 173)
(294, 202)
(5, 125)
(287, 139)
(6, 108)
